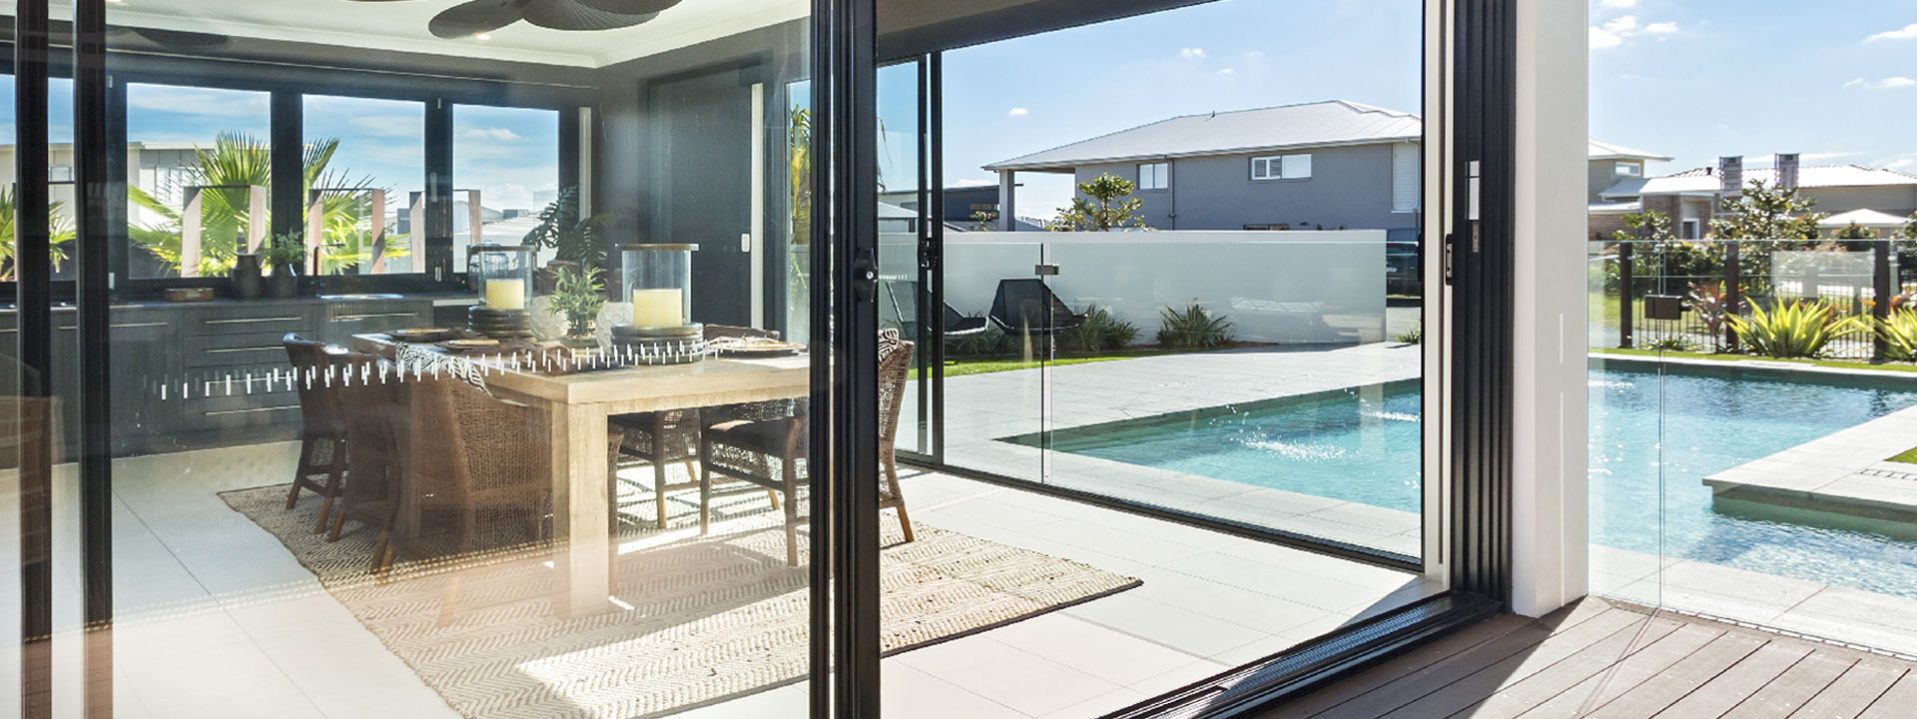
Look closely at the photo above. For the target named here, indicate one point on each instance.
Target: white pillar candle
(658, 307)
(506, 294)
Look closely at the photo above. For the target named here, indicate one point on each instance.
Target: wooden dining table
(577, 408)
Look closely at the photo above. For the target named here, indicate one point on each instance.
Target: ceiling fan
(476, 17)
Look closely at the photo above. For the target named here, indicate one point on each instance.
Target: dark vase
(284, 284)
(246, 277)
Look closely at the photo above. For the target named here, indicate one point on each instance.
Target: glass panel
(369, 179)
(392, 489)
(199, 178)
(903, 215)
(505, 171)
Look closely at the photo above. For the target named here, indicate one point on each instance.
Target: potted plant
(578, 295)
(573, 239)
(286, 253)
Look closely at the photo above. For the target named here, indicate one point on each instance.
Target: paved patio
(983, 410)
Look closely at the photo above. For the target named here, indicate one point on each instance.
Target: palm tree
(59, 234)
(237, 161)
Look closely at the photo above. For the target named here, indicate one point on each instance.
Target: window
(1406, 175)
(1281, 167)
(198, 178)
(1154, 175)
(505, 170)
(1629, 169)
(373, 179)
(1689, 230)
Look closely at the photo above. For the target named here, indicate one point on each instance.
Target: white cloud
(1617, 4)
(1601, 38)
(1018, 112)
(1254, 55)
(1191, 53)
(497, 134)
(1907, 32)
(1227, 71)
(972, 182)
(1888, 83)
(1622, 25)
(1661, 28)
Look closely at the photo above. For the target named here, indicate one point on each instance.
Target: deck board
(1599, 659)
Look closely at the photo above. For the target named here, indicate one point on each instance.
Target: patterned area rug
(712, 618)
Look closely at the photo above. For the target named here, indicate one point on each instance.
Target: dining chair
(742, 449)
(375, 414)
(323, 436)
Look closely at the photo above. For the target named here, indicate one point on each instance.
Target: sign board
(1730, 177)
(1787, 165)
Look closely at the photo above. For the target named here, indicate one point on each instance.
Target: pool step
(1846, 472)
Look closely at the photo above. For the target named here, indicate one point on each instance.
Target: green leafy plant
(60, 234)
(1899, 332)
(571, 237)
(285, 252)
(1413, 336)
(1793, 329)
(983, 342)
(1672, 343)
(1101, 331)
(1854, 231)
(1767, 212)
(579, 295)
(1713, 308)
(1192, 327)
(1104, 203)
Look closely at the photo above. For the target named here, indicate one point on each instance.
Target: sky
(1692, 79)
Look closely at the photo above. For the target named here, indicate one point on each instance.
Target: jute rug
(712, 618)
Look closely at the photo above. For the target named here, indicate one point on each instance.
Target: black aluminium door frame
(34, 351)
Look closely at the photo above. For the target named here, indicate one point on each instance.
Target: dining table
(577, 407)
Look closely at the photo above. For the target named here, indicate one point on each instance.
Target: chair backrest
(1027, 303)
(373, 407)
(319, 399)
(469, 445)
(895, 362)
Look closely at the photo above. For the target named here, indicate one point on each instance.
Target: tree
(1646, 226)
(59, 234)
(982, 220)
(1855, 231)
(1110, 206)
(1910, 228)
(1767, 212)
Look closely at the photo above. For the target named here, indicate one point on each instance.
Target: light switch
(745, 242)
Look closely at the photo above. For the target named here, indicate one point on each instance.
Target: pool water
(1363, 445)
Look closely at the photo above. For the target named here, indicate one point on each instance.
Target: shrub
(1101, 331)
(1193, 326)
(1671, 344)
(978, 343)
(1793, 329)
(1899, 332)
(1413, 336)
(1713, 308)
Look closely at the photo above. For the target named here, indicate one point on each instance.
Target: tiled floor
(217, 619)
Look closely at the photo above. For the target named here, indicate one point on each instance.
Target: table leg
(581, 501)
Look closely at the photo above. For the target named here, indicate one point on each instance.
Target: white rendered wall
(1550, 498)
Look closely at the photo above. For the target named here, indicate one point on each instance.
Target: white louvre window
(1405, 177)
(1265, 168)
(1154, 175)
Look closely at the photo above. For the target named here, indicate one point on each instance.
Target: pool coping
(1755, 367)
(1845, 472)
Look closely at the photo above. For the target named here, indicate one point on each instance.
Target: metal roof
(1865, 217)
(1704, 180)
(1313, 124)
(1607, 151)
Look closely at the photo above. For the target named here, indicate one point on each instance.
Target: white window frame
(1290, 167)
(1154, 175)
(1627, 169)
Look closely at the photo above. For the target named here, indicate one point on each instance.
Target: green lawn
(1908, 456)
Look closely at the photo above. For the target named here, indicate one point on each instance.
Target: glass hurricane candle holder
(657, 278)
(502, 275)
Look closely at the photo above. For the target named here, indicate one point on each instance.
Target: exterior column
(1007, 205)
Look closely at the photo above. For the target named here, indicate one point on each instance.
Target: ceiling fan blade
(570, 15)
(630, 7)
(477, 16)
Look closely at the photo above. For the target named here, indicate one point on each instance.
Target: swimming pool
(1648, 431)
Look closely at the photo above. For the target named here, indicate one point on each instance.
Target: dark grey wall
(1350, 187)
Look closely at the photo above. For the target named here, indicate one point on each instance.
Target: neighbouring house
(1690, 197)
(1317, 165)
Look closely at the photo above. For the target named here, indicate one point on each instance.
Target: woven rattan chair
(665, 438)
(744, 449)
(375, 410)
(323, 437)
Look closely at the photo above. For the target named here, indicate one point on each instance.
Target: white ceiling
(401, 26)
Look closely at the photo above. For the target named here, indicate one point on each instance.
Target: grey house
(1325, 164)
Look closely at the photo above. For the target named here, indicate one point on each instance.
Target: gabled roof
(1312, 124)
(1607, 151)
(1865, 217)
(1704, 180)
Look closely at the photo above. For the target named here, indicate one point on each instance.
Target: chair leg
(790, 473)
(380, 547)
(898, 497)
(448, 601)
(339, 523)
(659, 490)
(773, 495)
(299, 472)
(334, 473)
(705, 498)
